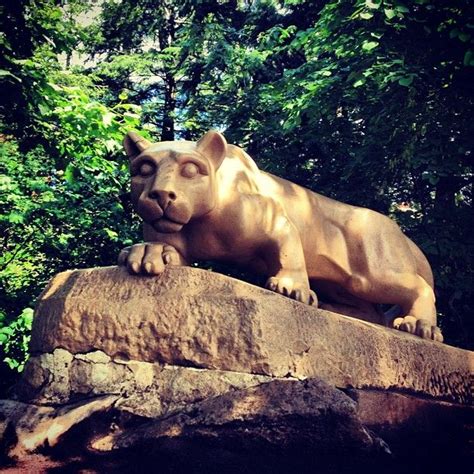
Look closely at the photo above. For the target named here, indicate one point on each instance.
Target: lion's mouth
(167, 224)
(172, 219)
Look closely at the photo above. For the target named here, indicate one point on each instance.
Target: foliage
(63, 180)
(14, 340)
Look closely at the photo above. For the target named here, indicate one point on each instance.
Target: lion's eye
(146, 168)
(189, 170)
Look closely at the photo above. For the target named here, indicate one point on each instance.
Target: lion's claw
(418, 327)
(313, 299)
(149, 258)
(287, 287)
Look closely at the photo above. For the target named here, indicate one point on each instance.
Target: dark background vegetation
(367, 101)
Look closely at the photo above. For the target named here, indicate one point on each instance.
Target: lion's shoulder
(238, 154)
(238, 173)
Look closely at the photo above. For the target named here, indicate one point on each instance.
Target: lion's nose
(164, 197)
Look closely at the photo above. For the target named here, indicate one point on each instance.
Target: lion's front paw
(149, 258)
(419, 327)
(287, 286)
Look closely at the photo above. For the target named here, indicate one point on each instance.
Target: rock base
(196, 372)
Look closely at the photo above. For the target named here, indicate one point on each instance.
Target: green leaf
(12, 363)
(7, 330)
(366, 15)
(406, 81)
(469, 58)
(4, 73)
(373, 4)
(107, 118)
(369, 45)
(44, 109)
(111, 234)
(27, 317)
(402, 9)
(64, 239)
(389, 13)
(69, 173)
(16, 218)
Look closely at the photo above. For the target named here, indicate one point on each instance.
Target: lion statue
(209, 201)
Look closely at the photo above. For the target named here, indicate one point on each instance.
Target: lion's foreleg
(286, 262)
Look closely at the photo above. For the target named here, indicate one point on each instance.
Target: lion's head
(174, 182)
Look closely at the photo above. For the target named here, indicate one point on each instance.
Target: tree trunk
(166, 38)
(167, 129)
(446, 189)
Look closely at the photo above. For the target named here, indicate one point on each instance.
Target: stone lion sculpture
(209, 201)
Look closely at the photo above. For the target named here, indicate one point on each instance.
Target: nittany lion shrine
(334, 364)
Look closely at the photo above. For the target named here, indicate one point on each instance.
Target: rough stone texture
(26, 427)
(429, 424)
(196, 369)
(281, 413)
(145, 389)
(191, 317)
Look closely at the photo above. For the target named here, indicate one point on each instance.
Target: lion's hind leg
(408, 290)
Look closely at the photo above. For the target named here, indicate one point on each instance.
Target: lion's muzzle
(164, 197)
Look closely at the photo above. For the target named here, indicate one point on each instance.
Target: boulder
(282, 414)
(195, 318)
(146, 389)
(132, 370)
(26, 427)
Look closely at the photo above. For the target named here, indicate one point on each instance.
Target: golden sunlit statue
(209, 201)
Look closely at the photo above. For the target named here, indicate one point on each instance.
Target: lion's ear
(214, 146)
(134, 144)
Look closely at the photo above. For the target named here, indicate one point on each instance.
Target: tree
(369, 102)
(154, 51)
(63, 175)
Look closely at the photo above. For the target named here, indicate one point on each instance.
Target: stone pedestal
(198, 361)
